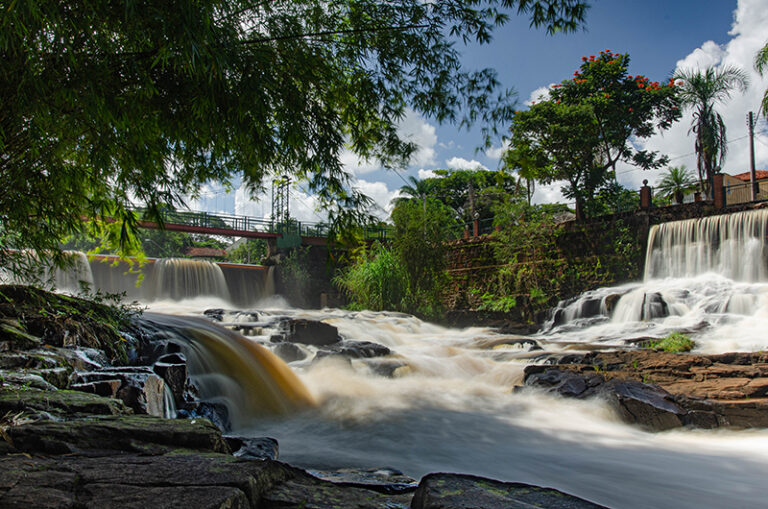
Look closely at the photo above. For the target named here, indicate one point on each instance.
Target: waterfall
(732, 245)
(707, 277)
(230, 369)
(178, 278)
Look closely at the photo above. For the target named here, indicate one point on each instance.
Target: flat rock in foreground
(455, 491)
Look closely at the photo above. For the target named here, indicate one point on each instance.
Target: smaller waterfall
(75, 278)
(732, 245)
(178, 278)
(231, 369)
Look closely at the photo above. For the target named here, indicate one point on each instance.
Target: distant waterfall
(178, 278)
(732, 245)
(75, 278)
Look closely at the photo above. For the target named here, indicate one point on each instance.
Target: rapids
(445, 399)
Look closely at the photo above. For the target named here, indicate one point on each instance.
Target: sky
(661, 36)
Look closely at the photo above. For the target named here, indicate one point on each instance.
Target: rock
(308, 492)
(182, 479)
(355, 350)
(24, 381)
(386, 368)
(257, 448)
(310, 332)
(215, 412)
(289, 352)
(14, 337)
(131, 433)
(383, 480)
(644, 404)
(140, 388)
(215, 314)
(60, 404)
(449, 491)
(172, 368)
(106, 388)
(611, 301)
(654, 306)
(674, 389)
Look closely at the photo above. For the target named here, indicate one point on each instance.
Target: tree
(675, 183)
(107, 104)
(701, 91)
(422, 228)
(588, 124)
(761, 64)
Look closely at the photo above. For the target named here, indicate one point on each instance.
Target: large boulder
(140, 388)
(456, 491)
(310, 332)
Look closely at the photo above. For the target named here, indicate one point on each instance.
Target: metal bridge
(290, 233)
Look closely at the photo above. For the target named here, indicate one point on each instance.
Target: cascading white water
(706, 277)
(179, 278)
(444, 400)
(731, 245)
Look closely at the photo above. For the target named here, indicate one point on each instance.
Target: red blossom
(583, 59)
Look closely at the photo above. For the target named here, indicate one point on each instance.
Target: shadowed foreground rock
(662, 390)
(453, 491)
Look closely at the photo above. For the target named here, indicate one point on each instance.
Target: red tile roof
(759, 175)
(206, 252)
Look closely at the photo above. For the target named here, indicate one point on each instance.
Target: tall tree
(701, 91)
(587, 124)
(104, 104)
(761, 64)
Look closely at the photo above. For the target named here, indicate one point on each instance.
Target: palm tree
(701, 90)
(416, 189)
(761, 64)
(676, 182)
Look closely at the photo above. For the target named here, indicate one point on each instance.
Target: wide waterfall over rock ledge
(732, 245)
(707, 277)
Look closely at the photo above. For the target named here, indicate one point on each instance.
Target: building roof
(206, 252)
(759, 175)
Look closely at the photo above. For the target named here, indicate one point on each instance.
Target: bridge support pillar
(271, 247)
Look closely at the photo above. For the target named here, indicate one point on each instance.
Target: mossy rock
(131, 433)
(59, 404)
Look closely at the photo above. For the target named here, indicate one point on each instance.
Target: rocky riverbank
(83, 401)
(663, 390)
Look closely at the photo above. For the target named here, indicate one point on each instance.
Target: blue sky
(659, 36)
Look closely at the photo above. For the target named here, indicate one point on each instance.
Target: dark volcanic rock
(645, 404)
(310, 332)
(172, 368)
(449, 491)
(216, 315)
(60, 404)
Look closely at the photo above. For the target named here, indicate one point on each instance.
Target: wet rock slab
(664, 390)
(456, 491)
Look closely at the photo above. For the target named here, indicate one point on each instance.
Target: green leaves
(587, 125)
(104, 104)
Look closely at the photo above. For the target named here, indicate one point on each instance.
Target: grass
(677, 342)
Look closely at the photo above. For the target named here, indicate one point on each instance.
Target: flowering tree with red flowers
(603, 109)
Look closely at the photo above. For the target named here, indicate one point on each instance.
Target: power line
(679, 157)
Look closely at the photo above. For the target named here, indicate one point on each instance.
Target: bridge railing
(247, 223)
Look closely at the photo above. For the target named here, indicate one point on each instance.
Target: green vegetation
(105, 104)
(676, 342)
(376, 281)
(410, 275)
(701, 91)
(677, 181)
(585, 127)
(761, 64)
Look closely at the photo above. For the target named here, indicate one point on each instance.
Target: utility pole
(752, 176)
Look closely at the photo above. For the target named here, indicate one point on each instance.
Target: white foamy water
(451, 406)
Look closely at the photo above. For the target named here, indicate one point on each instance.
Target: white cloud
(748, 35)
(540, 94)
(426, 174)
(412, 128)
(549, 193)
(380, 194)
(495, 153)
(459, 163)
